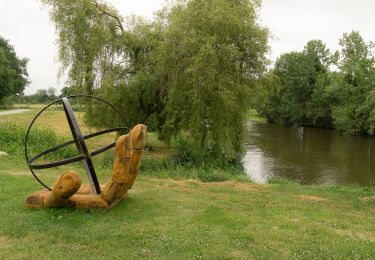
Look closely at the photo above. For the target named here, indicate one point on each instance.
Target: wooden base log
(138, 136)
(38, 199)
(87, 201)
(62, 190)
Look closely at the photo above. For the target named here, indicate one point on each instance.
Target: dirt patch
(368, 198)
(311, 198)
(224, 184)
(181, 182)
(5, 242)
(239, 186)
(18, 173)
(356, 235)
(14, 111)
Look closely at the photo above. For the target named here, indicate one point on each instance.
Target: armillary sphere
(84, 155)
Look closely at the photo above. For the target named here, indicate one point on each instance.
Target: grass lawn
(50, 119)
(167, 218)
(168, 215)
(56, 120)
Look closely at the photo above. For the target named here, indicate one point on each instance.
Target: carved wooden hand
(68, 191)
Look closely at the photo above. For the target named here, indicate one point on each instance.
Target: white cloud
(295, 22)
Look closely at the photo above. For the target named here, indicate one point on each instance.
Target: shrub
(212, 175)
(12, 139)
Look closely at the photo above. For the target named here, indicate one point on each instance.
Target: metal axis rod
(81, 146)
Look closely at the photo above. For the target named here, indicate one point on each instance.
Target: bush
(212, 175)
(12, 138)
(170, 168)
(187, 154)
(7, 102)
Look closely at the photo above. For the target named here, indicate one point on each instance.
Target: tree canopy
(188, 72)
(317, 88)
(13, 71)
(295, 93)
(354, 85)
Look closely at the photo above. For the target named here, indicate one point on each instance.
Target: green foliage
(188, 162)
(8, 102)
(355, 85)
(87, 40)
(13, 71)
(301, 90)
(211, 55)
(210, 172)
(41, 96)
(190, 70)
(12, 139)
(295, 91)
(187, 154)
(212, 176)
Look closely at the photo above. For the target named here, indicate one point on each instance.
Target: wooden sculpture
(68, 191)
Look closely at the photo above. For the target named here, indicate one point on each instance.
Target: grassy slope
(166, 218)
(252, 115)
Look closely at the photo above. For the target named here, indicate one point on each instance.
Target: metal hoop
(78, 140)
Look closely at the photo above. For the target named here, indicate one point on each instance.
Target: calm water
(308, 155)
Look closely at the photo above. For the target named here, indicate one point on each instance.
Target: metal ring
(52, 149)
(84, 156)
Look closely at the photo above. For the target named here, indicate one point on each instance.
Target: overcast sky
(291, 22)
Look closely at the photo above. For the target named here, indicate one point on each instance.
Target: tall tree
(295, 91)
(354, 84)
(319, 106)
(89, 44)
(212, 53)
(191, 70)
(13, 71)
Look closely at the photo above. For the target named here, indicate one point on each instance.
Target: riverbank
(253, 116)
(168, 218)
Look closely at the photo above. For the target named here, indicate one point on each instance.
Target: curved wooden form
(68, 192)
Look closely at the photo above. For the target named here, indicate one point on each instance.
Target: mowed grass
(183, 218)
(56, 120)
(53, 119)
(186, 219)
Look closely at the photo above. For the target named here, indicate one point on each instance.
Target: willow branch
(97, 5)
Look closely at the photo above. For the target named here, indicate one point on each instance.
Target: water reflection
(308, 155)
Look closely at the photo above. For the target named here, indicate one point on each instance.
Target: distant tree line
(13, 72)
(41, 96)
(318, 88)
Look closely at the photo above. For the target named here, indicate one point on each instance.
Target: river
(308, 155)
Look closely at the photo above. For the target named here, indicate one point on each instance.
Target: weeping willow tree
(212, 53)
(190, 70)
(103, 54)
